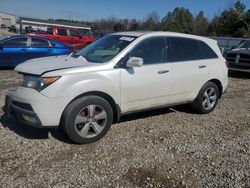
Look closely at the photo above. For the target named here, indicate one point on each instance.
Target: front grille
(24, 106)
(239, 65)
(243, 58)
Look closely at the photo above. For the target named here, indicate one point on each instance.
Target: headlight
(38, 83)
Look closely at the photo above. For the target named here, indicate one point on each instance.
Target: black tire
(198, 106)
(75, 108)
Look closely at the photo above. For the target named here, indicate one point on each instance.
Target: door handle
(24, 50)
(163, 71)
(202, 66)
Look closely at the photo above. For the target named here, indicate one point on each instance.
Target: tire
(207, 99)
(87, 119)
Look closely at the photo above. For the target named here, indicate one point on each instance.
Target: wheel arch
(219, 85)
(115, 107)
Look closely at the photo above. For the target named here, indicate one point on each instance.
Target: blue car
(20, 48)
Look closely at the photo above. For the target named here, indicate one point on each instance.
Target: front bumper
(35, 109)
(23, 112)
(241, 67)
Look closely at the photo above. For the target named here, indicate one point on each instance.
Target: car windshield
(3, 37)
(245, 44)
(105, 49)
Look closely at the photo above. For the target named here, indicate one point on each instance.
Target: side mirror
(134, 62)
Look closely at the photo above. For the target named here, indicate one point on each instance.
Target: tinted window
(50, 30)
(86, 32)
(62, 32)
(39, 43)
(74, 33)
(151, 50)
(184, 49)
(206, 51)
(16, 42)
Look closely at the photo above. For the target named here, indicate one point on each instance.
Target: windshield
(3, 37)
(105, 49)
(245, 44)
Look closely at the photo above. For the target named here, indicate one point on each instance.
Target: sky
(90, 10)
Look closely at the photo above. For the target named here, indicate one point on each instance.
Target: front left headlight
(38, 83)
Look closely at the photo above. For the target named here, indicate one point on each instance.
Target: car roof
(30, 36)
(132, 33)
(159, 33)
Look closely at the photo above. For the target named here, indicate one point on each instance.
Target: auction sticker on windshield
(127, 38)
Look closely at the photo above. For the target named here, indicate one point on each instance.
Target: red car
(76, 38)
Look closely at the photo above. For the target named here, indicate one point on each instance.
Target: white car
(121, 73)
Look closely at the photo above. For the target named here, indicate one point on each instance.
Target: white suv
(118, 74)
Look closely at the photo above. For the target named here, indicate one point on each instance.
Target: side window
(86, 32)
(152, 50)
(207, 52)
(50, 30)
(16, 42)
(74, 33)
(62, 32)
(39, 43)
(183, 49)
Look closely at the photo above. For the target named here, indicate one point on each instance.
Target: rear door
(14, 51)
(40, 48)
(190, 67)
(147, 86)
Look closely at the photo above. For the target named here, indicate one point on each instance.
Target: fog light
(29, 119)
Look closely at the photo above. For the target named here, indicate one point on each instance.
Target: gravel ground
(163, 148)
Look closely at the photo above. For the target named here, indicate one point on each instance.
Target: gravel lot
(162, 148)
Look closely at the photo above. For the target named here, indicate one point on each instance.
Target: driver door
(146, 86)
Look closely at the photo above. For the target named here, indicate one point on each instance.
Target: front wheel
(207, 98)
(87, 119)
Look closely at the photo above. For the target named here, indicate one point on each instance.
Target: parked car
(13, 29)
(77, 38)
(119, 74)
(3, 26)
(19, 48)
(239, 58)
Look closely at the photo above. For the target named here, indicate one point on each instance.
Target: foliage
(234, 21)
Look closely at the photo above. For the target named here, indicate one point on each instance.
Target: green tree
(135, 25)
(180, 20)
(152, 21)
(201, 24)
(119, 27)
(230, 23)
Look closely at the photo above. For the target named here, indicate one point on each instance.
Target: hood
(240, 51)
(47, 64)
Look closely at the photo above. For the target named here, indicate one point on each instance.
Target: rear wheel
(87, 119)
(207, 98)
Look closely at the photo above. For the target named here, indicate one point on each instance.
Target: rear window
(185, 49)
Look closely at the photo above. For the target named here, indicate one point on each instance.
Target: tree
(152, 21)
(201, 24)
(119, 27)
(180, 20)
(135, 25)
(229, 22)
